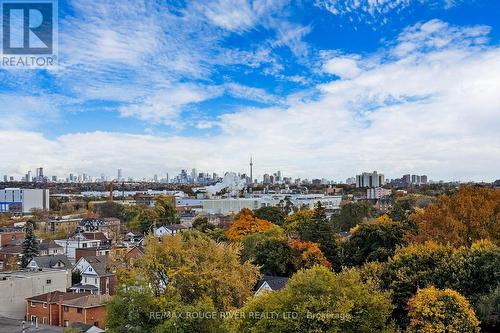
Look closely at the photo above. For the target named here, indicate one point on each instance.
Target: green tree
(488, 310)
(441, 311)
(320, 230)
(372, 241)
(109, 209)
(273, 256)
(272, 214)
(201, 223)
(353, 214)
(165, 209)
(470, 271)
(29, 245)
(76, 276)
(317, 300)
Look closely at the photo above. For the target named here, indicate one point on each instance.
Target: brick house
(45, 308)
(11, 236)
(64, 309)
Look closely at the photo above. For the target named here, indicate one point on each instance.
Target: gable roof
(274, 282)
(99, 264)
(53, 296)
(88, 301)
(48, 245)
(52, 260)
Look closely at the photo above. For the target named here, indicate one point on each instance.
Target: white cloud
(343, 66)
(431, 109)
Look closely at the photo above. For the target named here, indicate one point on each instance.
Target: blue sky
(318, 88)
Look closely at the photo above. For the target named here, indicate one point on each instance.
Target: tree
(109, 209)
(353, 214)
(177, 277)
(29, 245)
(373, 241)
(273, 256)
(244, 223)
(317, 300)
(76, 276)
(165, 209)
(488, 310)
(320, 230)
(202, 224)
(469, 215)
(194, 267)
(307, 255)
(272, 214)
(293, 221)
(250, 241)
(470, 271)
(440, 311)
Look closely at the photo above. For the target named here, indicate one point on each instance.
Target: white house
(169, 230)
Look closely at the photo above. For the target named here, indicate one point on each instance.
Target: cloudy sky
(315, 88)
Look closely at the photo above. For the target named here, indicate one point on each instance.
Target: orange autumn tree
(244, 223)
(306, 255)
(469, 215)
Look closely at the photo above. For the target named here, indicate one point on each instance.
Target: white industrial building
(15, 287)
(234, 205)
(19, 200)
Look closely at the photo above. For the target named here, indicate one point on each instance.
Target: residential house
(92, 252)
(49, 248)
(11, 235)
(169, 230)
(97, 277)
(45, 308)
(270, 283)
(59, 261)
(67, 309)
(81, 240)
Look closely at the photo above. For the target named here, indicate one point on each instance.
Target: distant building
(15, 287)
(377, 192)
(23, 201)
(370, 179)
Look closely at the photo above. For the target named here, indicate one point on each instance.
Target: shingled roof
(54, 296)
(88, 301)
(52, 260)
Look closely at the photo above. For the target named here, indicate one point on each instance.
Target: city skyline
(321, 89)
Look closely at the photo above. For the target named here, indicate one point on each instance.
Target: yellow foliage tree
(469, 215)
(439, 311)
(244, 223)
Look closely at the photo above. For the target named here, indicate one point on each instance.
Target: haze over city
(317, 89)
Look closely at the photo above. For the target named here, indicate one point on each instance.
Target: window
(66, 308)
(96, 323)
(45, 321)
(44, 305)
(66, 323)
(79, 310)
(49, 281)
(33, 319)
(95, 280)
(33, 305)
(84, 245)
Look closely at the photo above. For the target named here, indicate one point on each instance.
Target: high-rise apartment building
(370, 179)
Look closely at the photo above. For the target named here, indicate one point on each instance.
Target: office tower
(423, 179)
(5, 178)
(119, 174)
(193, 175)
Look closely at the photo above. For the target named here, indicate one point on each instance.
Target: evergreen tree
(30, 245)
